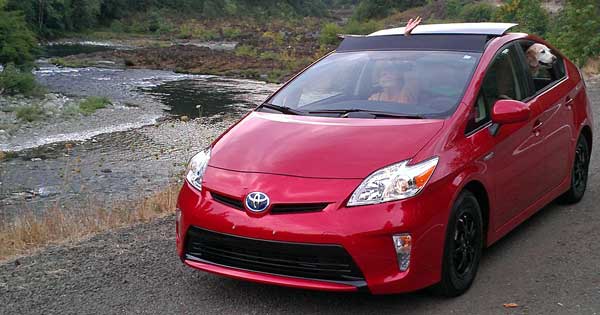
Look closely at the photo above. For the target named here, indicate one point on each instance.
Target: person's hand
(410, 26)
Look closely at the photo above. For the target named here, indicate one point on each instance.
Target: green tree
(18, 44)
(529, 14)
(577, 31)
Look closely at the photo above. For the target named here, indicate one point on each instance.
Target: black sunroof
(472, 43)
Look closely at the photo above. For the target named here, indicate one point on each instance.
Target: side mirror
(510, 111)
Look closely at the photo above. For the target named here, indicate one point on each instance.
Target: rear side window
(542, 75)
(504, 79)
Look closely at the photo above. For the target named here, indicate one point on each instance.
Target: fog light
(402, 244)
(178, 221)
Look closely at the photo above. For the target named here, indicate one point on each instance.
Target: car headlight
(197, 167)
(394, 182)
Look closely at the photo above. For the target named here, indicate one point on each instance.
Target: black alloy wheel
(463, 247)
(579, 173)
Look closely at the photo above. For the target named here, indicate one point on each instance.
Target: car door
(551, 96)
(514, 159)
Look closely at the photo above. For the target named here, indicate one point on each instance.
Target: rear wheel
(463, 247)
(579, 173)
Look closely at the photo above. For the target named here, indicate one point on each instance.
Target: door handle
(569, 103)
(537, 126)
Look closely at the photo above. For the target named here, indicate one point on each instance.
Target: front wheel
(579, 173)
(463, 247)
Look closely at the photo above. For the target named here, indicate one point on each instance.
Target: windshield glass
(412, 83)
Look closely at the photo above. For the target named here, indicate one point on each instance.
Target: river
(136, 146)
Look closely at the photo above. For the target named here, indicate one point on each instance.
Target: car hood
(320, 147)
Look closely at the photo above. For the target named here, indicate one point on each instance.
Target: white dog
(539, 55)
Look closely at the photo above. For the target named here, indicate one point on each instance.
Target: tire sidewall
(466, 202)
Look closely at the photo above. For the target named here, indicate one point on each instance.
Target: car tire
(463, 247)
(579, 173)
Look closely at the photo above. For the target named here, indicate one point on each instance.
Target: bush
(231, 32)
(453, 8)
(530, 15)
(92, 104)
(329, 34)
(577, 31)
(191, 30)
(276, 38)
(478, 12)
(362, 28)
(246, 51)
(29, 113)
(16, 81)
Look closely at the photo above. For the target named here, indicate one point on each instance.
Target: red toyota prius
(389, 164)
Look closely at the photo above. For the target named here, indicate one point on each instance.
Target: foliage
(362, 28)
(192, 30)
(478, 12)
(529, 14)
(51, 18)
(18, 44)
(29, 113)
(454, 8)
(276, 38)
(92, 104)
(374, 9)
(246, 50)
(14, 80)
(231, 32)
(577, 31)
(329, 34)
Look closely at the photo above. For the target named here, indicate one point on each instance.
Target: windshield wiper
(344, 113)
(281, 109)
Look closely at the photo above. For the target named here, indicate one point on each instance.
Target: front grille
(297, 208)
(281, 208)
(312, 261)
(228, 201)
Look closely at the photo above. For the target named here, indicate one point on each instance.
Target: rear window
(422, 83)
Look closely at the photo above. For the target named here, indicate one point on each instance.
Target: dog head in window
(539, 55)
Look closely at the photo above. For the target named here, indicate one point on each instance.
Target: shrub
(276, 38)
(29, 113)
(577, 31)
(478, 12)
(269, 55)
(530, 15)
(192, 30)
(246, 51)
(362, 28)
(231, 32)
(328, 34)
(92, 104)
(454, 8)
(15, 81)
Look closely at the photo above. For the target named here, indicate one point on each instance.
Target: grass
(92, 104)
(71, 62)
(29, 113)
(57, 226)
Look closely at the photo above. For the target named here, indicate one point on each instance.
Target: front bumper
(364, 232)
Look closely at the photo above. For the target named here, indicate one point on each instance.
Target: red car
(389, 164)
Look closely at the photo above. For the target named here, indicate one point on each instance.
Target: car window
(504, 79)
(413, 83)
(545, 74)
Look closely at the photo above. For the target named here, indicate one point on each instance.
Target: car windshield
(401, 83)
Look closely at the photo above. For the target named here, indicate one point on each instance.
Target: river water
(135, 146)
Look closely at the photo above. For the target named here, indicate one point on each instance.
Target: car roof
(487, 28)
